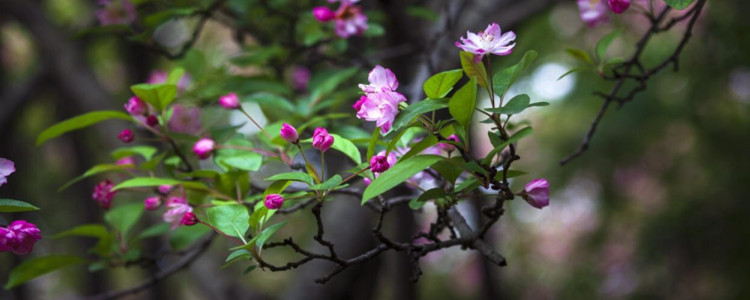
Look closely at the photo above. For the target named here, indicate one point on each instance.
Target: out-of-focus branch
(633, 69)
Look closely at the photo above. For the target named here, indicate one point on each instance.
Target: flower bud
(189, 219)
(536, 193)
(322, 140)
(152, 203)
(289, 133)
(126, 136)
(203, 148)
(103, 194)
(323, 14)
(136, 106)
(230, 101)
(367, 181)
(379, 164)
(618, 6)
(165, 189)
(274, 201)
(19, 237)
(152, 121)
(449, 147)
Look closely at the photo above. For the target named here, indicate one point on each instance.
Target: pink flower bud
(189, 219)
(152, 203)
(300, 77)
(19, 237)
(449, 147)
(323, 14)
(7, 167)
(289, 133)
(536, 193)
(322, 140)
(126, 136)
(229, 101)
(103, 194)
(204, 147)
(379, 164)
(367, 181)
(165, 189)
(152, 121)
(125, 161)
(618, 6)
(274, 201)
(136, 106)
(178, 207)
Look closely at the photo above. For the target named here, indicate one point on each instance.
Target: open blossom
(322, 140)
(177, 208)
(536, 193)
(618, 6)
(381, 80)
(152, 203)
(204, 147)
(273, 201)
(185, 120)
(229, 101)
(116, 12)
(348, 18)
(126, 136)
(289, 133)
(135, 106)
(380, 102)
(491, 40)
(593, 12)
(103, 193)
(19, 237)
(7, 167)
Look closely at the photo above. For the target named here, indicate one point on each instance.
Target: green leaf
(679, 4)
(235, 256)
(247, 161)
(147, 152)
(603, 44)
(267, 233)
(39, 266)
(514, 138)
(89, 230)
(10, 205)
(153, 231)
(258, 217)
(503, 79)
(79, 122)
(449, 168)
(159, 95)
(516, 105)
(328, 184)
(93, 171)
(472, 69)
(346, 146)
(580, 55)
(538, 104)
(145, 182)
(373, 30)
(294, 176)
(403, 170)
(441, 83)
(511, 174)
(428, 195)
(461, 105)
(574, 70)
(277, 187)
(373, 142)
(412, 111)
(419, 147)
(230, 219)
(123, 217)
(175, 75)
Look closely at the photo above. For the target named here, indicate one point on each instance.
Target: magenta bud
(322, 140)
(126, 136)
(536, 193)
(152, 121)
(165, 189)
(379, 164)
(103, 193)
(229, 101)
(204, 147)
(273, 201)
(618, 6)
(289, 133)
(189, 219)
(19, 237)
(449, 147)
(152, 203)
(136, 106)
(323, 14)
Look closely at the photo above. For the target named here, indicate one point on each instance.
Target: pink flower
(204, 147)
(381, 80)
(300, 77)
(367, 181)
(322, 140)
(381, 108)
(152, 121)
(449, 147)
(350, 20)
(152, 203)
(125, 161)
(536, 193)
(126, 136)
(323, 14)
(103, 194)
(165, 189)
(136, 106)
(7, 167)
(185, 120)
(618, 6)
(116, 12)
(491, 40)
(593, 12)
(273, 201)
(379, 164)
(289, 133)
(189, 219)
(19, 237)
(229, 101)
(159, 76)
(177, 208)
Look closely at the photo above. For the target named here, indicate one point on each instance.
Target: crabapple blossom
(189, 219)
(103, 193)
(323, 14)
(135, 106)
(379, 164)
(593, 12)
(177, 208)
(289, 133)
(152, 203)
(126, 136)
(152, 121)
(491, 40)
(536, 193)
(7, 167)
(273, 201)
(322, 140)
(204, 147)
(381, 80)
(19, 237)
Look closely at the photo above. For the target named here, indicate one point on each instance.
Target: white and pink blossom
(491, 40)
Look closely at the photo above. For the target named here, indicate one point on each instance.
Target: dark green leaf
(10, 205)
(441, 83)
(267, 233)
(514, 106)
(39, 266)
(79, 122)
(403, 170)
(89, 230)
(412, 111)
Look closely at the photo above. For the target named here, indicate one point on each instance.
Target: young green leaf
(603, 44)
(328, 184)
(145, 182)
(574, 70)
(79, 122)
(159, 95)
(503, 79)
(38, 266)
(516, 105)
(580, 55)
(124, 217)
(403, 170)
(294, 176)
(441, 83)
(147, 152)
(472, 69)
(461, 105)
(10, 205)
(267, 233)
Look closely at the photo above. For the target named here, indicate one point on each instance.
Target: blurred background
(654, 210)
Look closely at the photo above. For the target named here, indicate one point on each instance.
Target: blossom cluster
(19, 236)
(348, 18)
(380, 101)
